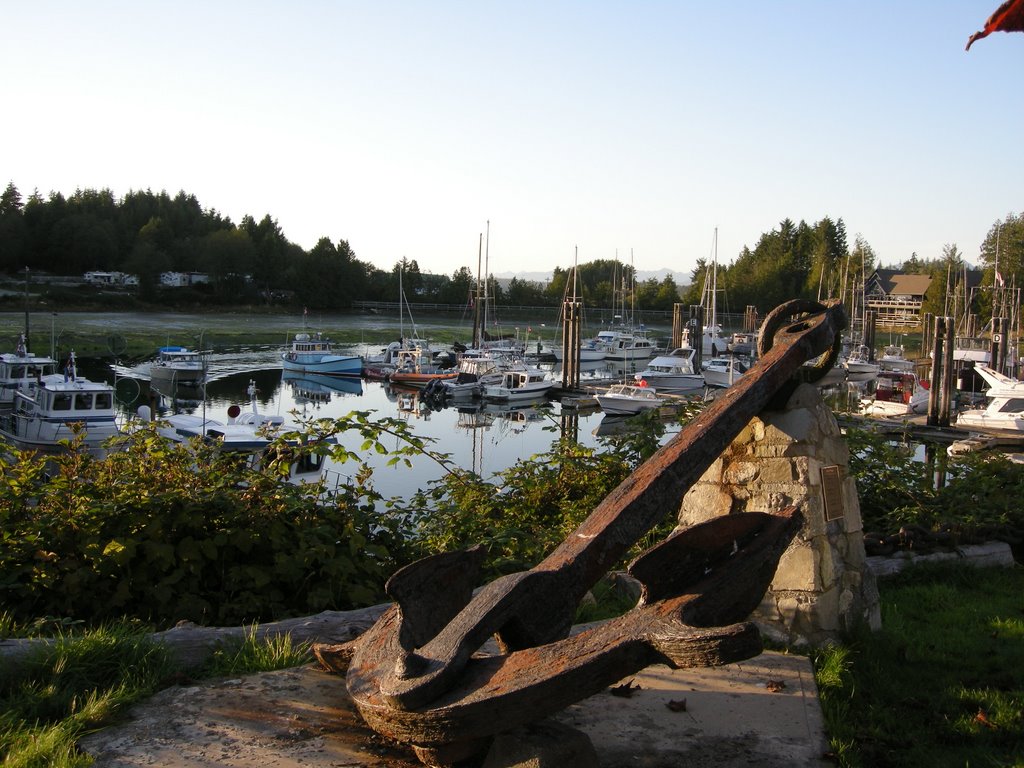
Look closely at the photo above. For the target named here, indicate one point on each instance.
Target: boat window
(104, 400)
(62, 401)
(18, 372)
(83, 401)
(1013, 405)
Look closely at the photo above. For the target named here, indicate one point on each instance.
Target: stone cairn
(797, 456)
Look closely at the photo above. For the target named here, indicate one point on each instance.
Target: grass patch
(85, 681)
(942, 683)
(76, 685)
(252, 655)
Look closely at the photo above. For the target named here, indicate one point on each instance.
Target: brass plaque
(832, 491)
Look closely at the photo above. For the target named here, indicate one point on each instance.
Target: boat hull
(334, 365)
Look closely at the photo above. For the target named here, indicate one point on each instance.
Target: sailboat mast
(477, 335)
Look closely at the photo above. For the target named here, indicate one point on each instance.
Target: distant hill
(545, 277)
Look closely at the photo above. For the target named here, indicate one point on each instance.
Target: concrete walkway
(763, 712)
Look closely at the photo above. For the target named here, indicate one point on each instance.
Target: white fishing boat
(723, 371)
(590, 352)
(178, 365)
(313, 353)
(895, 393)
(248, 433)
(893, 358)
(1005, 409)
(859, 365)
(473, 374)
(624, 345)
(673, 372)
(21, 370)
(244, 431)
(57, 408)
(629, 399)
(525, 382)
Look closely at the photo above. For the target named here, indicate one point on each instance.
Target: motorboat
(859, 364)
(723, 371)
(415, 368)
(21, 370)
(629, 399)
(1005, 409)
(624, 345)
(178, 365)
(893, 358)
(473, 373)
(673, 372)
(590, 352)
(313, 353)
(524, 382)
(896, 393)
(59, 407)
(382, 364)
(247, 433)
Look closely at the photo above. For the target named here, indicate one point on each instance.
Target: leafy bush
(979, 499)
(521, 514)
(165, 532)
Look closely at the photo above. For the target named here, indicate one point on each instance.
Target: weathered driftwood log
(191, 645)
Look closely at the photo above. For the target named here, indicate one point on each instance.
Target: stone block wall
(823, 584)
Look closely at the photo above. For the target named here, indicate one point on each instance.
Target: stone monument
(797, 456)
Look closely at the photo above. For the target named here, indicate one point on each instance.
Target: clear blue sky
(403, 127)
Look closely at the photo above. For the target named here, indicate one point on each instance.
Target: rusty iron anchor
(416, 676)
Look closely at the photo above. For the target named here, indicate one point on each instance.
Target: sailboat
(408, 352)
(712, 342)
(625, 342)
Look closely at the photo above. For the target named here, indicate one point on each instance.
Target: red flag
(1008, 17)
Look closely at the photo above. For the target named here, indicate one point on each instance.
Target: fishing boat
(895, 393)
(723, 371)
(673, 372)
(21, 370)
(893, 358)
(416, 368)
(248, 433)
(178, 365)
(59, 407)
(525, 382)
(629, 399)
(473, 373)
(1005, 409)
(858, 363)
(625, 344)
(312, 353)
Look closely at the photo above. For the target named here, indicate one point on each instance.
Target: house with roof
(896, 297)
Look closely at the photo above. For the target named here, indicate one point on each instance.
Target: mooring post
(947, 376)
(938, 339)
(572, 311)
(678, 322)
(697, 334)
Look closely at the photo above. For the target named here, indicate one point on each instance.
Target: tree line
(146, 233)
